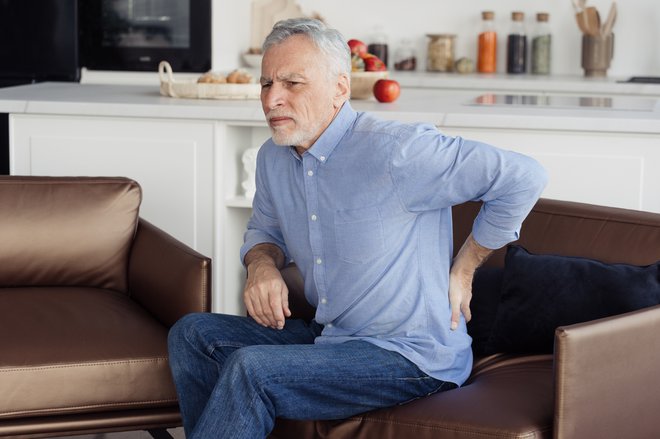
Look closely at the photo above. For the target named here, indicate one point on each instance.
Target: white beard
(300, 136)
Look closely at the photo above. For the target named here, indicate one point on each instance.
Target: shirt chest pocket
(359, 235)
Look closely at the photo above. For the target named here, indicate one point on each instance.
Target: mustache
(274, 113)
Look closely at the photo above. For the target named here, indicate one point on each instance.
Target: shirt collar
(328, 140)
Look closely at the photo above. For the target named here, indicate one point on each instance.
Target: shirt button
(318, 261)
(314, 217)
(324, 301)
(322, 158)
(329, 325)
(310, 173)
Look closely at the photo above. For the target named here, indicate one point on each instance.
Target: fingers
(268, 303)
(455, 317)
(458, 308)
(460, 294)
(465, 309)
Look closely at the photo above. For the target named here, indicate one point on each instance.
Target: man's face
(298, 95)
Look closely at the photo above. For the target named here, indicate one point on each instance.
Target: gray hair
(329, 41)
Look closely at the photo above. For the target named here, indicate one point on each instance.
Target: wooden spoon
(592, 21)
(609, 21)
(582, 22)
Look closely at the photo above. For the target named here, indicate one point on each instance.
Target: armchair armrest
(166, 276)
(606, 377)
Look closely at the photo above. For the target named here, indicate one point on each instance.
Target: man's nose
(273, 96)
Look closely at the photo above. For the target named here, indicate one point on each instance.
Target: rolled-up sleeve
(502, 214)
(433, 171)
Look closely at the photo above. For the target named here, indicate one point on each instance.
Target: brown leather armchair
(88, 291)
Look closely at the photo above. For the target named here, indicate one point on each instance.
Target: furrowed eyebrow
(291, 77)
(286, 77)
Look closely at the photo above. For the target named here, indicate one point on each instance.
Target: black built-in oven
(136, 35)
(38, 42)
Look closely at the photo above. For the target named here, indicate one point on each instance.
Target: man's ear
(343, 89)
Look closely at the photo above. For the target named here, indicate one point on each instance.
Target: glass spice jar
(541, 45)
(405, 57)
(440, 55)
(516, 48)
(487, 44)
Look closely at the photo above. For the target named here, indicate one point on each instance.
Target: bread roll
(212, 78)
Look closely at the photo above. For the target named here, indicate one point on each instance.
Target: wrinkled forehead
(295, 58)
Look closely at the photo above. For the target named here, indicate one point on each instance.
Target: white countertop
(635, 115)
(537, 84)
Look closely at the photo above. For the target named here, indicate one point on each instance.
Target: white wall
(637, 34)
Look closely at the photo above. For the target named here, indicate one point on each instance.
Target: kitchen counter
(623, 114)
(533, 84)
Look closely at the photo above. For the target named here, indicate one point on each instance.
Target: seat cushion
(508, 397)
(67, 230)
(69, 350)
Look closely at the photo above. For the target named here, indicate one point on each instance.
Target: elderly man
(363, 206)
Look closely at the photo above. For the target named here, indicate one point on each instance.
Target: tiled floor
(177, 433)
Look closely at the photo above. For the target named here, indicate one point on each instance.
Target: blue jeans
(234, 377)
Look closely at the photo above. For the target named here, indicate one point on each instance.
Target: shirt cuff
(255, 237)
(492, 236)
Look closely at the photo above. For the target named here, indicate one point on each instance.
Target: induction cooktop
(617, 103)
(643, 79)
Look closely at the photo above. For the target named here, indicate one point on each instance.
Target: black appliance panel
(136, 35)
(38, 41)
(4, 144)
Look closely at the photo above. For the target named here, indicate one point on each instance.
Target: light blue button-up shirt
(366, 215)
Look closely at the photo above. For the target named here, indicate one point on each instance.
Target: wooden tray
(191, 89)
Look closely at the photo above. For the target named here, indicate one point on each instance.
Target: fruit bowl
(362, 83)
(252, 60)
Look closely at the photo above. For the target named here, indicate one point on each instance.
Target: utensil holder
(597, 53)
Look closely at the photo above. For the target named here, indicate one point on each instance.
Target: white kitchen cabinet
(610, 169)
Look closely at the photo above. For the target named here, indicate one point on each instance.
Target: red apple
(357, 47)
(373, 64)
(386, 90)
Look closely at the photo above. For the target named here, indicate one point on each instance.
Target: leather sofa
(600, 381)
(88, 291)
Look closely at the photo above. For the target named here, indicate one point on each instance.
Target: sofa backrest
(608, 234)
(67, 231)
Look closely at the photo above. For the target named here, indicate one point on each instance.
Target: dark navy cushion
(486, 292)
(542, 292)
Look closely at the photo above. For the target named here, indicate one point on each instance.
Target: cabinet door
(611, 169)
(171, 159)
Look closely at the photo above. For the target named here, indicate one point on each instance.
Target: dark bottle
(378, 45)
(516, 47)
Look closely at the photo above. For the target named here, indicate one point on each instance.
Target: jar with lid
(487, 44)
(440, 55)
(516, 47)
(541, 45)
(405, 57)
(378, 44)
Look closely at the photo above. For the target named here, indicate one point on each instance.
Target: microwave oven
(135, 35)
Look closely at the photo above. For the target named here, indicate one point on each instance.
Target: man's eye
(292, 83)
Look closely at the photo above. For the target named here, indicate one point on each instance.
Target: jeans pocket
(359, 235)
